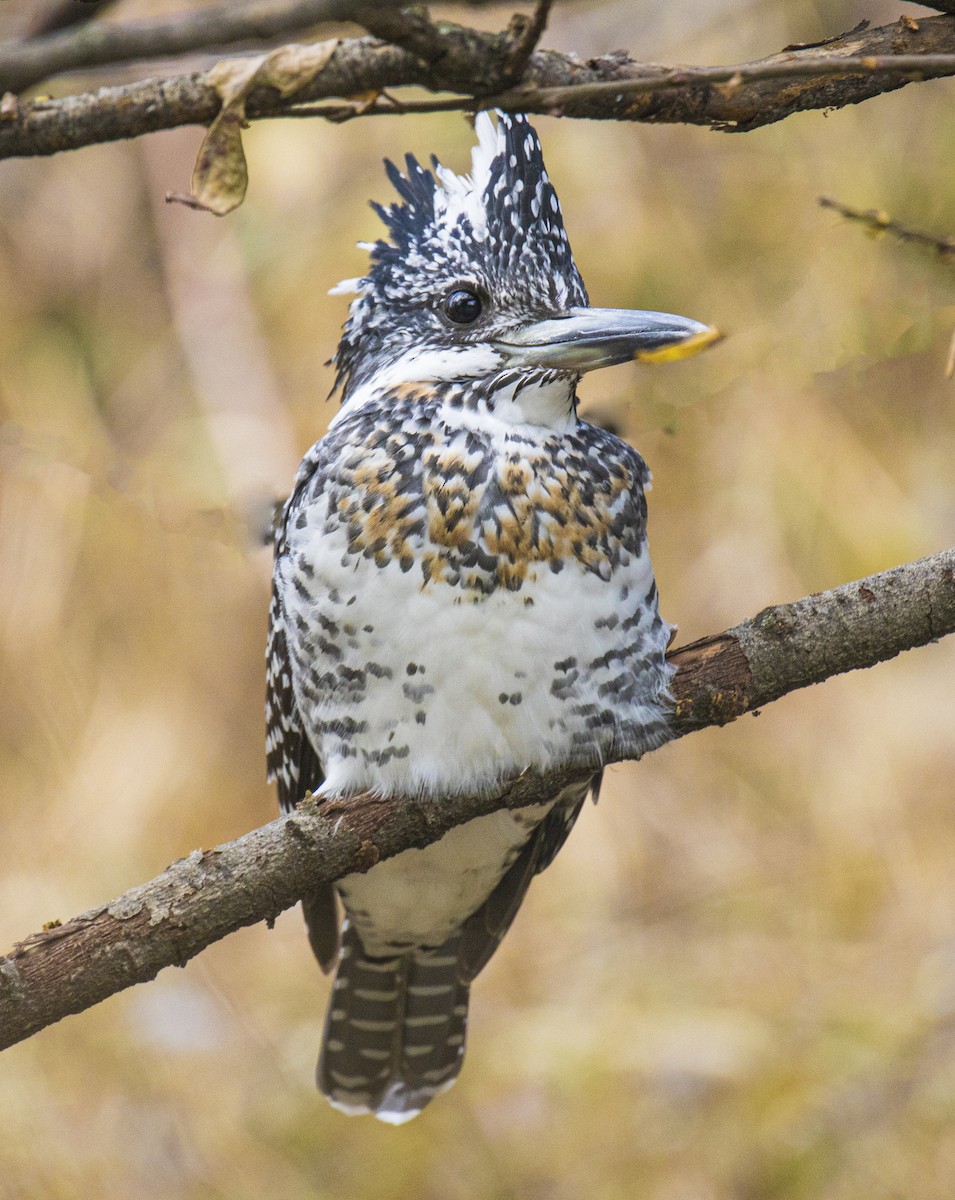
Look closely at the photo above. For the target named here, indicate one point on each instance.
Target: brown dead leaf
(363, 101)
(220, 177)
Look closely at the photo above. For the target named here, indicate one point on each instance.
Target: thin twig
(383, 106)
(525, 43)
(880, 222)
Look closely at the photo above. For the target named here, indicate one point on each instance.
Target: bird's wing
(484, 929)
(292, 761)
(295, 767)
(560, 820)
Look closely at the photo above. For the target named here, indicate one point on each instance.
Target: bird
(462, 590)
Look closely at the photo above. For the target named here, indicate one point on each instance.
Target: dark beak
(586, 338)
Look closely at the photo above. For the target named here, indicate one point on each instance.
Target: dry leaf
(220, 177)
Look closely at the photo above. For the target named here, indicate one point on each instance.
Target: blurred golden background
(738, 979)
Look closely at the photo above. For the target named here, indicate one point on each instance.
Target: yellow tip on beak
(685, 349)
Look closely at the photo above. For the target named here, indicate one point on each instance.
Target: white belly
(428, 689)
(420, 897)
(451, 675)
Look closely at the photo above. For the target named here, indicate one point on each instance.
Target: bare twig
(525, 43)
(880, 222)
(384, 105)
(859, 66)
(70, 967)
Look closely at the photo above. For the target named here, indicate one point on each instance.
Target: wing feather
(295, 767)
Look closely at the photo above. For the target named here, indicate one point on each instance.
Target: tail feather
(395, 1030)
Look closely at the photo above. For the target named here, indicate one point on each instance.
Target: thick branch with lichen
(69, 967)
(847, 70)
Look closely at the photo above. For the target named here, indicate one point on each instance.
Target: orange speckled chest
(531, 510)
(480, 509)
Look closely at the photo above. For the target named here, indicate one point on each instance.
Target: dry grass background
(738, 980)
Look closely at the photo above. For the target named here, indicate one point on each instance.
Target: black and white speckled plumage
(462, 589)
(506, 235)
(443, 516)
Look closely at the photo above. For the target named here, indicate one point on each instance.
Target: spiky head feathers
(497, 234)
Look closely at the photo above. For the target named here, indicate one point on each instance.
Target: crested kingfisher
(462, 590)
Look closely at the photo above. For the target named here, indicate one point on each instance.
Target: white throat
(548, 403)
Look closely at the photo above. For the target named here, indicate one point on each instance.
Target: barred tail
(395, 1029)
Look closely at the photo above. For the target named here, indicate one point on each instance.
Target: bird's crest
(500, 226)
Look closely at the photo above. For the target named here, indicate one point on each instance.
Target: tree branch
(853, 68)
(65, 14)
(68, 968)
(880, 222)
(25, 63)
(527, 36)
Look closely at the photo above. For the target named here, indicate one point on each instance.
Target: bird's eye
(462, 306)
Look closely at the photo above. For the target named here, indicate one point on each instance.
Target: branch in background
(54, 45)
(23, 64)
(857, 66)
(67, 13)
(880, 222)
(68, 968)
